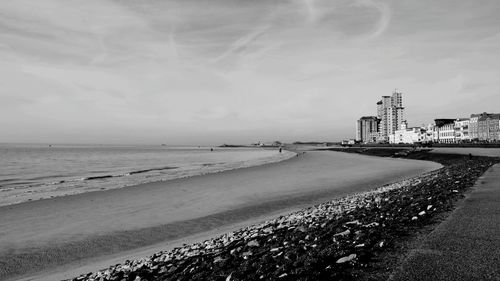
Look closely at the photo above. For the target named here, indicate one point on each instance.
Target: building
(462, 129)
(444, 130)
(494, 128)
(408, 135)
(390, 112)
(367, 129)
(487, 126)
(430, 133)
(474, 126)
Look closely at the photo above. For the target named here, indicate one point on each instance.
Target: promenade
(466, 246)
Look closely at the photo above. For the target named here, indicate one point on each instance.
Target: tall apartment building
(390, 111)
(367, 129)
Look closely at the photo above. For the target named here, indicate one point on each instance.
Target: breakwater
(338, 240)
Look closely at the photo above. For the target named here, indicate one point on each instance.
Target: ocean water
(32, 172)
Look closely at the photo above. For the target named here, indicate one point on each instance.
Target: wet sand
(68, 233)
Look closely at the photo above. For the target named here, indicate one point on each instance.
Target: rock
(245, 255)
(347, 259)
(228, 278)
(356, 222)
(429, 207)
(414, 218)
(372, 224)
(344, 233)
(253, 243)
(421, 213)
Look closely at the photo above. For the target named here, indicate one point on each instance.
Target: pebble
(346, 259)
(343, 233)
(253, 243)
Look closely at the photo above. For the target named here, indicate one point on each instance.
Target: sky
(206, 72)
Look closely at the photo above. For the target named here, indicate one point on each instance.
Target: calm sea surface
(31, 172)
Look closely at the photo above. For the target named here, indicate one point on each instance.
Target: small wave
(8, 180)
(98, 177)
(46, 177)
(57, 182)
(211, 164)
(150, 170)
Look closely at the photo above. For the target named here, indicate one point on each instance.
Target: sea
(37, 171)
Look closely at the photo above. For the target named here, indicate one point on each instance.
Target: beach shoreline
(363, 226)
(41, 184)
(125, 214)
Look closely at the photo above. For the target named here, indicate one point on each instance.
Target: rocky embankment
(338, 240)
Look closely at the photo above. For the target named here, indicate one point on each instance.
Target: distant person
(211, 149)
(280, 149)
(470, 156)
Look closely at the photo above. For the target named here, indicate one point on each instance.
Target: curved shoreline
(137, 211)
(362, 226)
(48, 195)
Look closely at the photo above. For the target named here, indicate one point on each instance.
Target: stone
(356, 222)
(372, 224)
(253, 243)
(246, 254)
(347, 259)
(343, 233)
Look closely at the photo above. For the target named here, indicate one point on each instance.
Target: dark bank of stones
(339, 240)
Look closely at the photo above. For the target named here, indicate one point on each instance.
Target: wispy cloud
(384, 15)
(244, 45)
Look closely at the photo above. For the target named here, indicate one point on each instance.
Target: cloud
(242, 45)
(193, 68)
(385, 14)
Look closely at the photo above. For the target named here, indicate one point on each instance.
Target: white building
(408, 135)
(445, 131)
(432, 133)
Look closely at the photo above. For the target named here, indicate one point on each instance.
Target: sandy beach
(63, 235)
